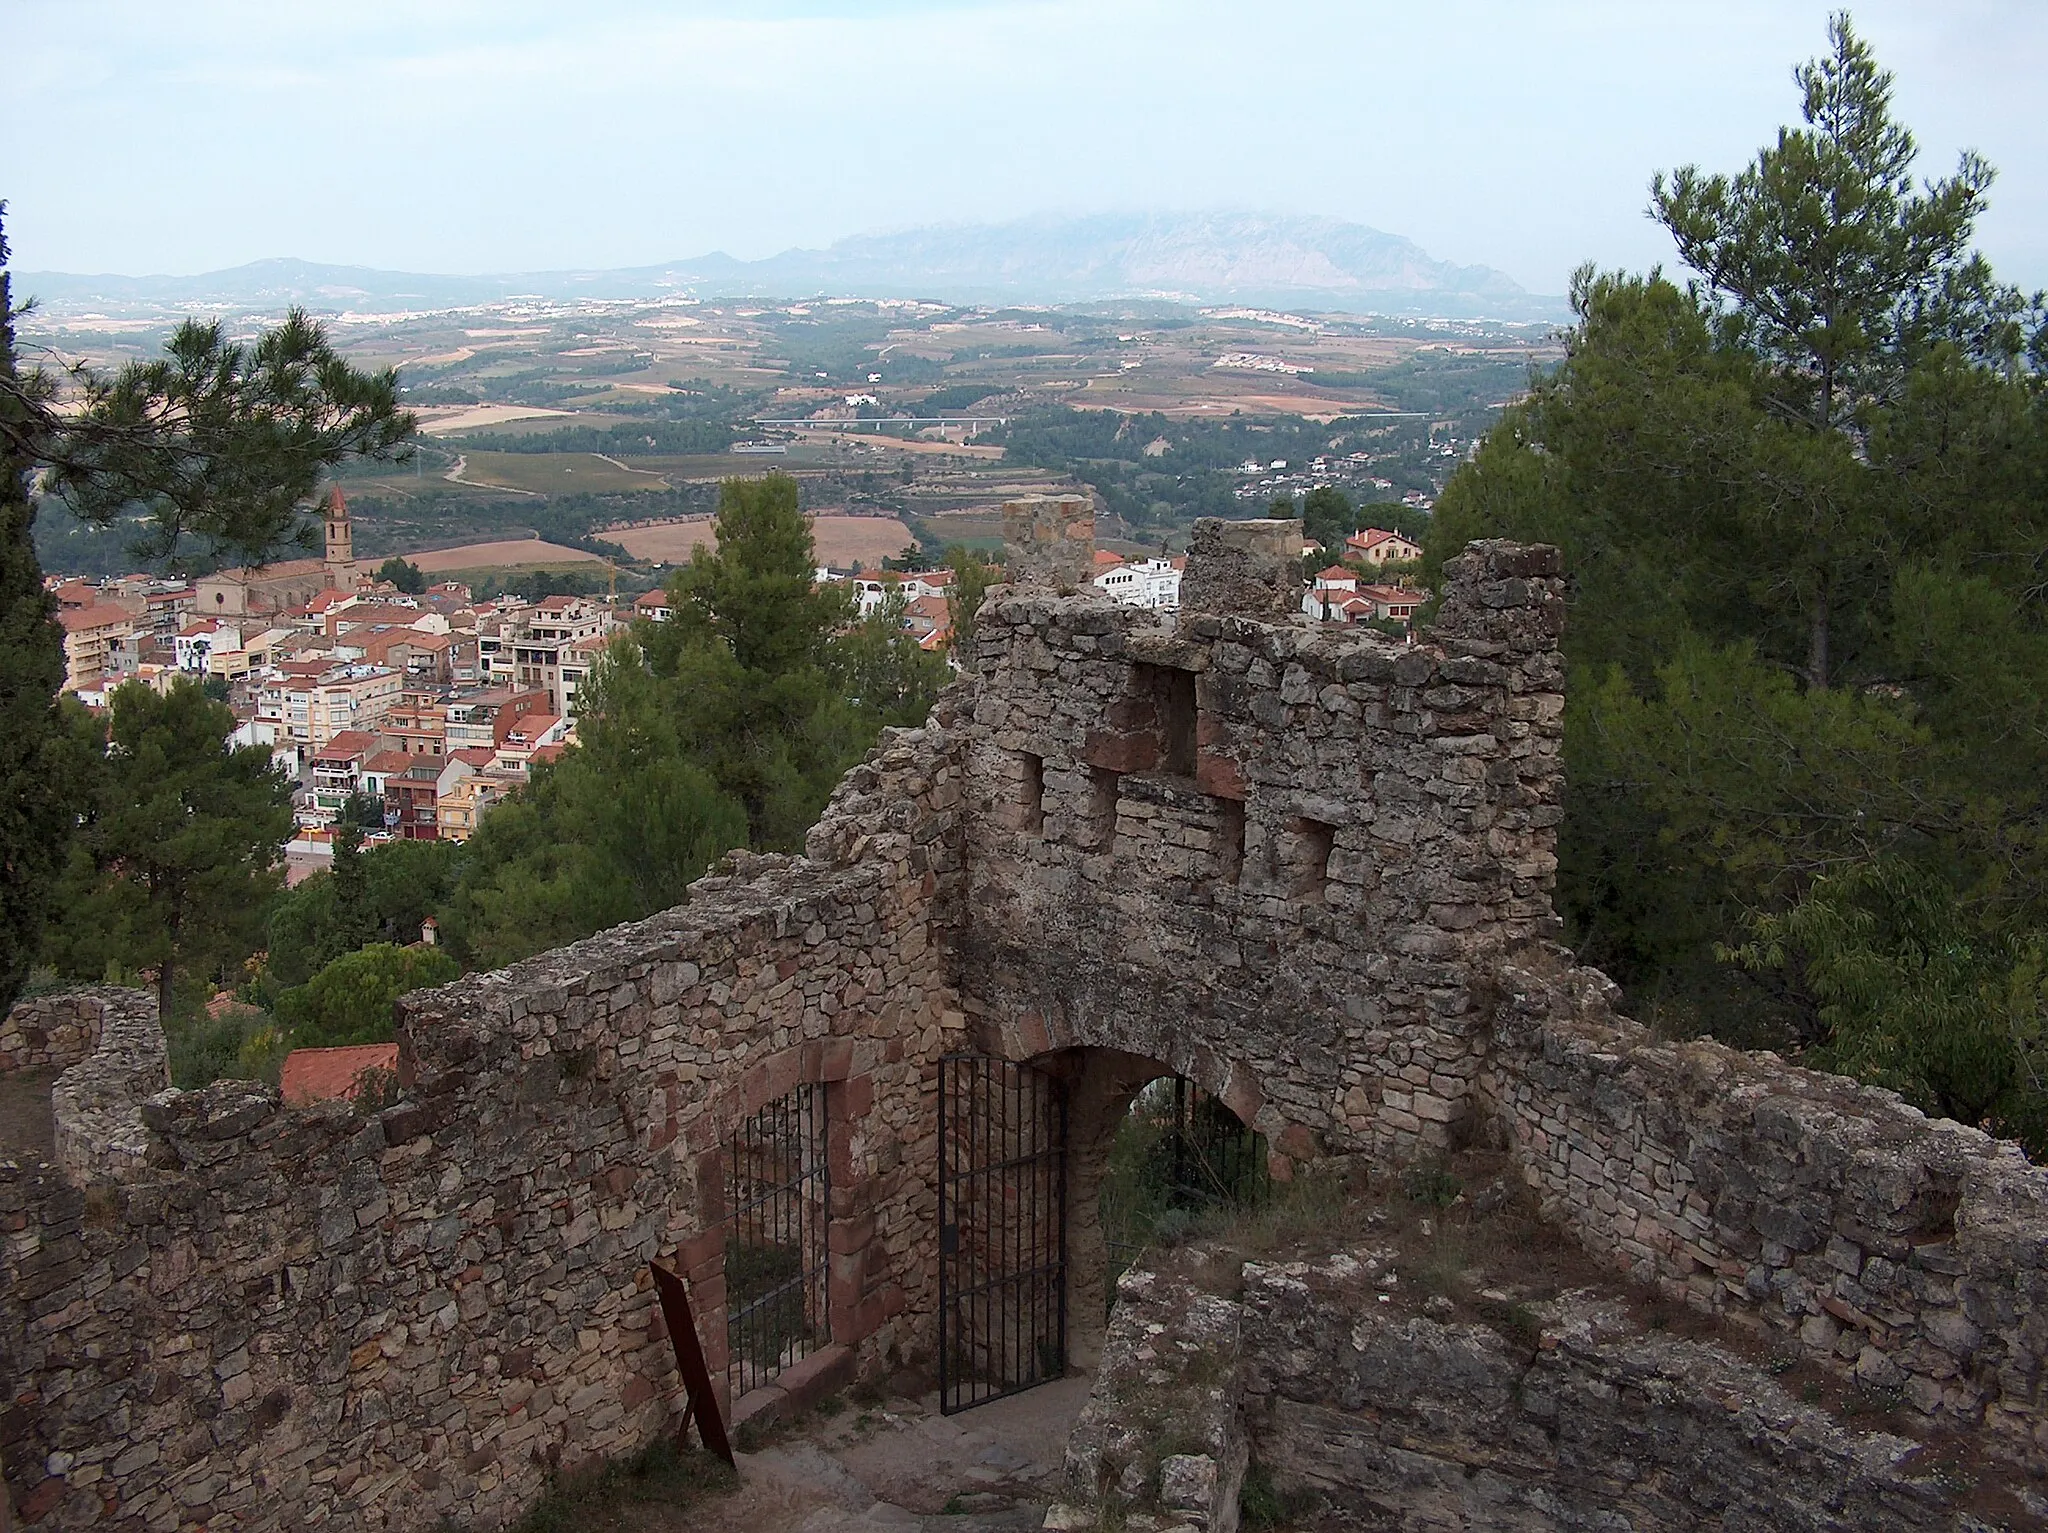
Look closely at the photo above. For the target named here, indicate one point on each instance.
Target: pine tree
(212, 451)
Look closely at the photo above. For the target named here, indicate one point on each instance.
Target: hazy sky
(499, 135)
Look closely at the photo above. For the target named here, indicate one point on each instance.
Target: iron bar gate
(1002, 1229)
(777, 1199)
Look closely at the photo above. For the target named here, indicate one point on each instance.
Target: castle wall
(1281, 858)
(382, 1319)
(54, 1032)
(1833, 1216)
(1264, 854)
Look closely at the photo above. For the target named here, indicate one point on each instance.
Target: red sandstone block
(857, 1096)
(1219, 777)
(639, 1390)
(810, 1379)
(708, 1245)
(847, 1235)
(1033, 1036)
(782, 1075)
(829, 1059)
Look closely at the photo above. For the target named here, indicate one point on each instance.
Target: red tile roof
(78, 619)
(327, 1075)
(346, 745)
(1105, 560)
(386, 762)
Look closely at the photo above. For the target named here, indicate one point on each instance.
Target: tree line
(1804, 504)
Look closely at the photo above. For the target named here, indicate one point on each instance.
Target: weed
(1262, 1507)
(1810, 1395)
(660, 1474)
(954, 1507)
(1517, 1322)
(1431, 1186)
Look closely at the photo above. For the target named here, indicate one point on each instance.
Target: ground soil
(841, 540)
(514, 551)
(25, 1126)
(889, 1462)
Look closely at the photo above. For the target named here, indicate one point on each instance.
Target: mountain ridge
(1210, 257)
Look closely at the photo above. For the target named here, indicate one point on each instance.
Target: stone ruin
(1307, 868)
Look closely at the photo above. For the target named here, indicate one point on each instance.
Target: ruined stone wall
(1396, 1420)
(53, 1032)
(96, 1105)
(1264, 853)
(1911, 1251)
(1365, 1414)
(375, 1321)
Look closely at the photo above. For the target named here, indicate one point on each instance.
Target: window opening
(1031, 794)
(777, 1199)
(1172, 695)
(1229, 840)
(1102, 789)
(1310, 862)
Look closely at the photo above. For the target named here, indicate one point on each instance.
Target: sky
(523, 135)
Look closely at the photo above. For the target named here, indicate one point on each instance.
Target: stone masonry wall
(1912, 1252)
(1264, 853)
(1383, 1418)
(376, 1321)
(1398, 1421)
(96, 1105)
(53, 1032)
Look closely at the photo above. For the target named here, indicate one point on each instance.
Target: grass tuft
(598, 1497)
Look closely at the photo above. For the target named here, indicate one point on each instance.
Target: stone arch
(1101, 1083)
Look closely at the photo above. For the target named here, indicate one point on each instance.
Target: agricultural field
(561, 420)
(845, 542)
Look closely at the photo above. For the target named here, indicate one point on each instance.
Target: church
(268, 589)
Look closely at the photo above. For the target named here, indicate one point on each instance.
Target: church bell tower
(340, 561)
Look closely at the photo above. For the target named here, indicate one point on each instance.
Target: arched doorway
(1026, 1262)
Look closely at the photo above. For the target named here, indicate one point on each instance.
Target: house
(412, 797)
(554, 646)
(1154, 583)
(1338, 595)
(337, 770)
(653, 605)
(99, 646)
(1375, 545)
(330, 1075)
(195, 642)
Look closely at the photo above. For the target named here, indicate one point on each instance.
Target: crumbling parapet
(1569, 1416)
(54, 1032)
(1161, 1442)
(97, 1105)
(1251, 568)
(1909, 1253)
(1049, 540)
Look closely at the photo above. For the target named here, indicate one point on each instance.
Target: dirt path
(629, 469)
(900, 1466)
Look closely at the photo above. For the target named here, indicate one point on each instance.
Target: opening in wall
(1172, 695)
(777, 1199)
(1030, 793)
(1102, 807)
(1229, 840)
(1308, 859)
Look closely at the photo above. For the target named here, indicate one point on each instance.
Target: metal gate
(778, 1196)
(1002, 1229)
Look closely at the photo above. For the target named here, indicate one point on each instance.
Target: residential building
(99, 645)
(653, 605)
(310, 702)
(1154, 583)
(554, 647)
(1375, 545)
(412, 795)
(337, 771)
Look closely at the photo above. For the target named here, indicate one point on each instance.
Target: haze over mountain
(1317, 263)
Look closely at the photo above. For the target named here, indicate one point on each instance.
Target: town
(430, 708)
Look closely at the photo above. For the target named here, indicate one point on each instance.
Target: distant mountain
(1248, 258)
